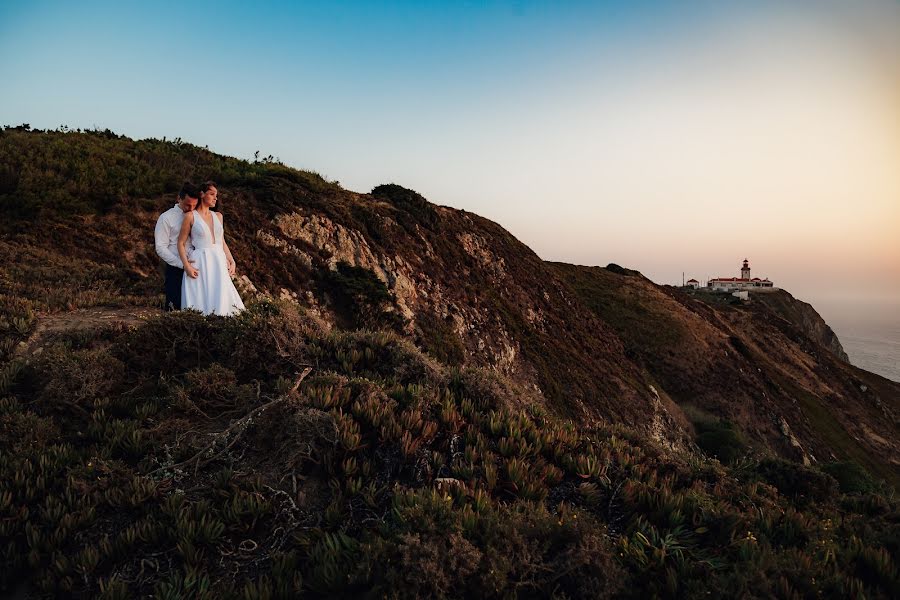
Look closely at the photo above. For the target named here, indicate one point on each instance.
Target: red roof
(738, 279)
(694, 280)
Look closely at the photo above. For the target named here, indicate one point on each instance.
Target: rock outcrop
(803, 316)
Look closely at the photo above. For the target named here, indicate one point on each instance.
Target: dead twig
(240, 426)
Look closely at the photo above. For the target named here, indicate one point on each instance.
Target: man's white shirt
(168, 226)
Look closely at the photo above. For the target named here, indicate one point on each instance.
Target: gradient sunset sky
(663, 136)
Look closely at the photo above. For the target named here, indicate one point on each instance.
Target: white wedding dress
(212, 292)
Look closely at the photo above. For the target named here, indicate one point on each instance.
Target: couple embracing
(190, 239)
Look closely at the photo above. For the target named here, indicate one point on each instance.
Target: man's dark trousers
(174, 277)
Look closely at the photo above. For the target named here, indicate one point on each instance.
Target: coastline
(869, 333)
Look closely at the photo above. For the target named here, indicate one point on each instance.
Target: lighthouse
(727, 284)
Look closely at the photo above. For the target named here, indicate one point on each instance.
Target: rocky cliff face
(592, 343)
(468, 292)
(803, 316)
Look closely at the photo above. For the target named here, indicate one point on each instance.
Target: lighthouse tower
(745, 270)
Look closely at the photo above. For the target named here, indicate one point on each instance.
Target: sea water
(869, 333)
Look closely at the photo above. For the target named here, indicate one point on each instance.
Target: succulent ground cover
(180, 458)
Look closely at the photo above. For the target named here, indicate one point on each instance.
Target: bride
(208, 268)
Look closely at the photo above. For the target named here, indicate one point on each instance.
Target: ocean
(869, 333)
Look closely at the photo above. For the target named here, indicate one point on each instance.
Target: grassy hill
(474, 422)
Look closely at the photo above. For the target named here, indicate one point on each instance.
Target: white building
(744, 282)
(693, 283)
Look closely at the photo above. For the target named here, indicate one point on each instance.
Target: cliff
(753, 363)
(460, 383)
(803, 316)
(591, 343)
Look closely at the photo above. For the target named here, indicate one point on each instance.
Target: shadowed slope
(746, 362)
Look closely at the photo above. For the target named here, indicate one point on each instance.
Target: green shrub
(359, 297)
(721, 440)
(440, 340)
(803, 484)
(619, 270)
(851, 477)
(414, 208)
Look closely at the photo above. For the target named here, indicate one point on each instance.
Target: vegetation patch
(642, 328)
(720, 439)
(851, 477)
(359, 297)
(803, 484)
(440, 340)
(413, 207)
(182, 459)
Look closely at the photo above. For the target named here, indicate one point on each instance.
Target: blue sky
(665, 136)
(251, 70)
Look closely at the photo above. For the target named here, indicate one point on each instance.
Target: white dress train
(212, 292)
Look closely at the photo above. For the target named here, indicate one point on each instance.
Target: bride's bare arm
(182, 240)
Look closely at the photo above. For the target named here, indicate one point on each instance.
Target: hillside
(476, 421)
(771, 366)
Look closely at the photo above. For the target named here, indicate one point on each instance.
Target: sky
(669, 137)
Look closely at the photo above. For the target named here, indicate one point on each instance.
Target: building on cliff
(744, 282)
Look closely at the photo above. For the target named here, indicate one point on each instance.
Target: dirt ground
(50, 325)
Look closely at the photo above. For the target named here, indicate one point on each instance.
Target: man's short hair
(188, 189)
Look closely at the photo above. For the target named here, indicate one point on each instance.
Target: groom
(168, 227)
